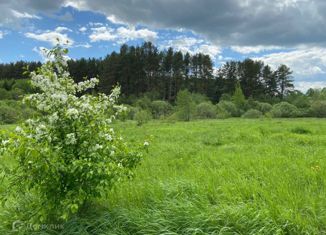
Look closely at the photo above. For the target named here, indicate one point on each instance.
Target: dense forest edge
(171, 84)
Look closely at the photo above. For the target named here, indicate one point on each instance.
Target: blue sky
(224, 31)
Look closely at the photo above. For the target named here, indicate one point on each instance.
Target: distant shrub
(223, 115)
(123, 115)
(161, 108)
(238, 97)
(4, 94)
(225, 97)
(131, 112)
(206, 110)
(143, 103)
(142, 117)
(264, 107)
(228, 107)
(318, 108)
(185, 105)
(23, 84)
(9, 115)
(298, 99)
(252, 113)
(199, 98)
(284, 110)
(17, 93)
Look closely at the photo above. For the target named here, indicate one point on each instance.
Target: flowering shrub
(71, 153)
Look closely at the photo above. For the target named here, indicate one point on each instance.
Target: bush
(284, 110)
(161, 108)
(228, 107)
(318, 108)
(206, 110)
(70, 154)
(4, 94)
(264, 107)
(144, 103)
(9, 115)
(17, 93)
(198, 98)
(252, 113)
(25, 85)
(142, 117)
(185, 105)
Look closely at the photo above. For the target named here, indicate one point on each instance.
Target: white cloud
(61, 29)
(129, 34)
(2, 34)
(83, 29)
(209, 49)
(24, 15)
(85, 45)
(102, 34)
(303, 61)
(192, 45)
(113, 19)
(121, 35)
(183, 44)
(52, 37)
(304, 86)
(96, 24)
(253, 49)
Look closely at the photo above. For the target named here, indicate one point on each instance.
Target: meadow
(233, 176)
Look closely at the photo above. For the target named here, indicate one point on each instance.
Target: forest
(161, 74)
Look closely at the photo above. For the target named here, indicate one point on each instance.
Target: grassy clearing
(217, 177)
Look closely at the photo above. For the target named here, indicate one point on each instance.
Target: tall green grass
(216, 177)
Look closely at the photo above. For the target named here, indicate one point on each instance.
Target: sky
(291, 32)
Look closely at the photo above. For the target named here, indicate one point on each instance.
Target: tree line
(161, 75)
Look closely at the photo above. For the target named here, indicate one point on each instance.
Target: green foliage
(161, 109)
(8, 115)
(185, 105)
(261, 106)
(144, 103)
(317, 94)
(142, 117)
(264, 107)
(128, 114)
(318, 108)
(226, 97)
(4, 94)
(198, 98)
(70, 154)
(298, 99)
(284, 110)
(12, 111)
(206, 110)
(228, 108)
(252, 113)
(238, 97)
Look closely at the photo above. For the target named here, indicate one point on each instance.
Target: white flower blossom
(108, 137)
(72, 113)
(53, 118)
(18, 129)
(71, 138)
(5, 142)
(97, 147)
(146, 144)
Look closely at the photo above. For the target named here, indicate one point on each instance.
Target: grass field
(229, 176)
